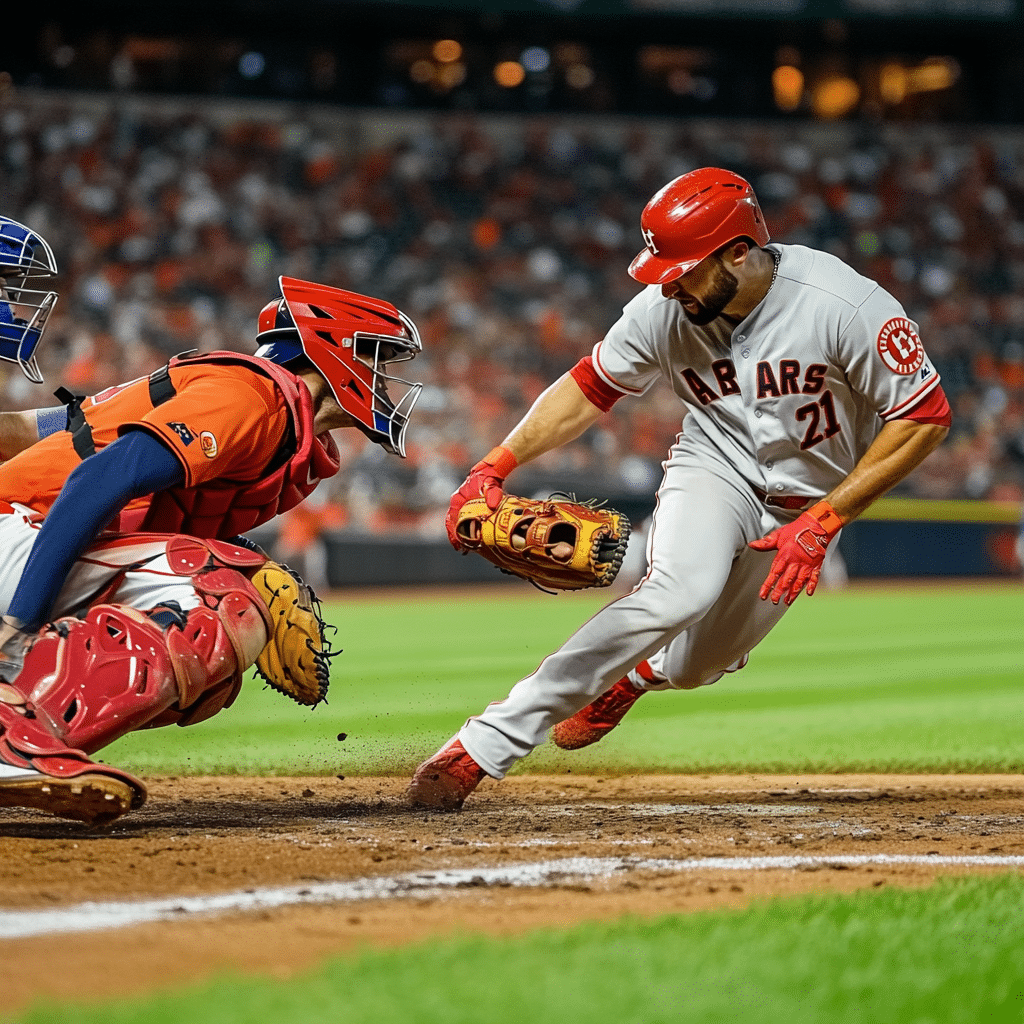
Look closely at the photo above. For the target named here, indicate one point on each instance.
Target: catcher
(129, 597)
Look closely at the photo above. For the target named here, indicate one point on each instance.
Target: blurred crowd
(507, 240)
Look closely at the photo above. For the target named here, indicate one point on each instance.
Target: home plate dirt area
(274, 874)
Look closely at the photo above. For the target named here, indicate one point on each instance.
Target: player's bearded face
(718, 288)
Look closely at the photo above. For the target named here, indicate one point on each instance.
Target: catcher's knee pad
(214, 644)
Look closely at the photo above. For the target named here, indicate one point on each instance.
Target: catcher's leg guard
(87, 682)
(216, 643)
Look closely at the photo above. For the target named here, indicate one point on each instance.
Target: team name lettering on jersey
(786, 379)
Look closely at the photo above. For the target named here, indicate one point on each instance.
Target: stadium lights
(834, 97)
(251, 64)
(509, 73)
(579, 76)
(896, 82)
(422, 71)
(535, 59)
(447, 51)
(788, 87)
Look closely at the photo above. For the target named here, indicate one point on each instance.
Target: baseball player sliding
(808, 395)
(129, 597)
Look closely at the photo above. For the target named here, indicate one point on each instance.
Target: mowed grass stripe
(888, 679)
(950, 953)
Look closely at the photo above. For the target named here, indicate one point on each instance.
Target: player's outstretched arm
(900, 446)
(561, 413)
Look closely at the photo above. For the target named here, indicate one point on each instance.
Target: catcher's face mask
(352, 340)
(25, 261)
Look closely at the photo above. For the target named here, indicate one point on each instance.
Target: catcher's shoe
(598, 718)
(443, 781)
(93, 798)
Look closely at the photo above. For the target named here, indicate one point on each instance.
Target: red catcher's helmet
(351, 339)
(690, 218)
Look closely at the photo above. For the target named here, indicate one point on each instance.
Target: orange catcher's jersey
(225, 422)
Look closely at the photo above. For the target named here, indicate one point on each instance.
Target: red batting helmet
(350, 339)
(690, 218)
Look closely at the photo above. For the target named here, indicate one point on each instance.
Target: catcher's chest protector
(225, 509)
(87, 682)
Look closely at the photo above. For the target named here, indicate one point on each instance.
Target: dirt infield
(654, 844)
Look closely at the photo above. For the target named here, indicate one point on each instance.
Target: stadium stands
(507, 239)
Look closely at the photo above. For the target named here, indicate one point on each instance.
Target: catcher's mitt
(296, 660)
(564, 545)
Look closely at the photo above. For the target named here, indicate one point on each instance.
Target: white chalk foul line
(16, 924)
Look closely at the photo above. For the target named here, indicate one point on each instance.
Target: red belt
(791, 501)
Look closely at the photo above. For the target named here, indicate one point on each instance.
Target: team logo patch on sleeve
(900, 347)
(186, 435)
(209, 444)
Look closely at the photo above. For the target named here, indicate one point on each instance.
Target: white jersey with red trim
(793, 395)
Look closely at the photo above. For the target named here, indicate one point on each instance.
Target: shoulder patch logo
(900, 347)
(186, 435)
(209, 444)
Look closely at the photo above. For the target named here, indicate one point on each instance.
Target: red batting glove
(801, 545)
(484, 481)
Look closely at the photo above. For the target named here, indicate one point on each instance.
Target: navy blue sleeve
(133, 465)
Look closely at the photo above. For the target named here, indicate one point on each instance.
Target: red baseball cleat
(598, 718)
(446, 779)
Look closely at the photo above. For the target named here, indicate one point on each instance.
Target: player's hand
(484, 481)
(801, 547)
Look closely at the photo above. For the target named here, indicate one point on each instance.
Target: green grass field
(951, 953)
(901, 679)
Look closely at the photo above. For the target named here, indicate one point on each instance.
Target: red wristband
(502, 460)
(827, 516)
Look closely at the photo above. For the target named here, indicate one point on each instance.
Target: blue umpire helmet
(26, 262)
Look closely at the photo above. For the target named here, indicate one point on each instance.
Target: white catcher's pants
(151, 584)
(694, 616)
